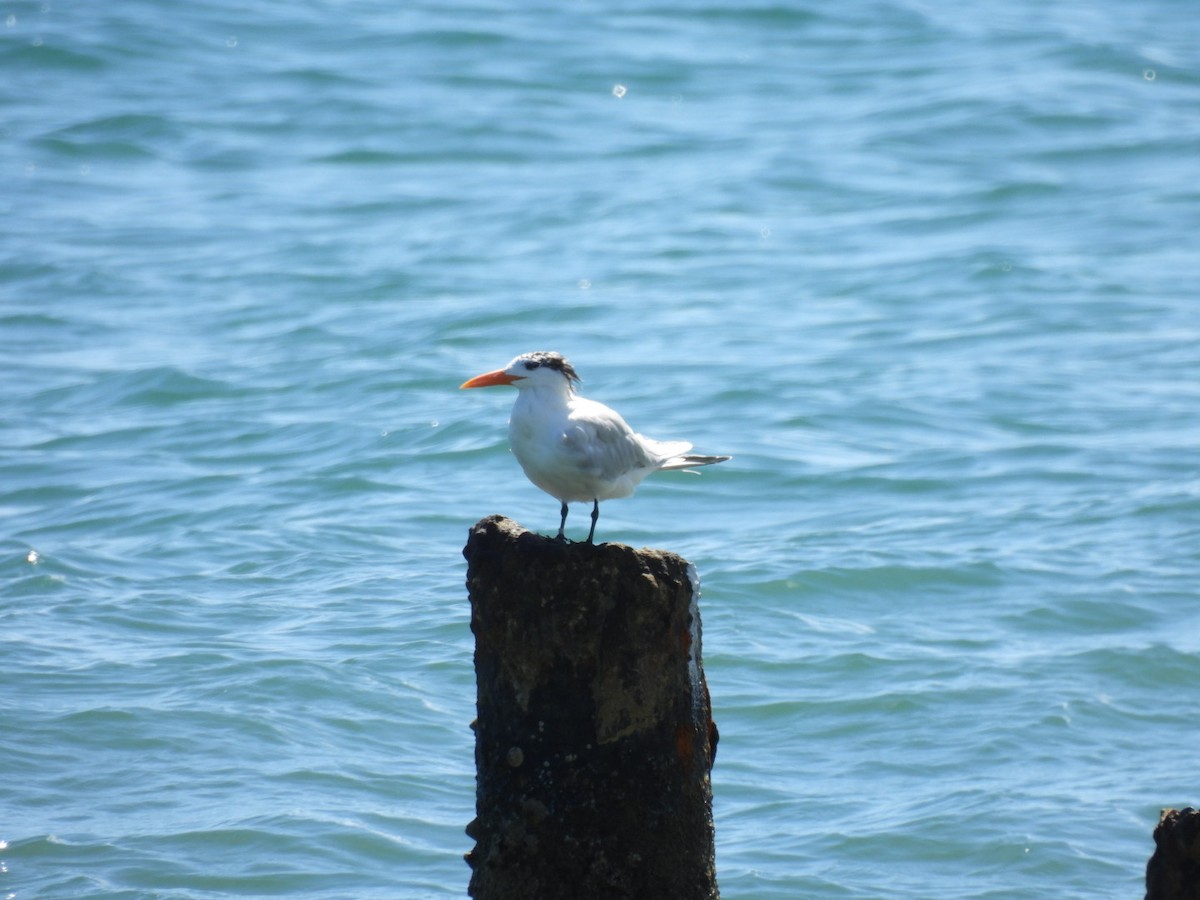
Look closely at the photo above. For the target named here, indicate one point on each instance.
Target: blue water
(929, 272)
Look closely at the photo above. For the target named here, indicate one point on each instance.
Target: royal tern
(573, 448)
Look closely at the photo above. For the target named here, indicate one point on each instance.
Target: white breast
(578, 450)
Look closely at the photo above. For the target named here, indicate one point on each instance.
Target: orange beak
(490, 379)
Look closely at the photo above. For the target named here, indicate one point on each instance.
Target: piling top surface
(498, 529)
(540, 591)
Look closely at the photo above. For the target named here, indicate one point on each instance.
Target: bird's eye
(530, 366)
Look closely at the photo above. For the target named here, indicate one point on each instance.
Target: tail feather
(691, 460)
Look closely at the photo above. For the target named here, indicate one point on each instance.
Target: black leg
(595, 516)
(563, 524)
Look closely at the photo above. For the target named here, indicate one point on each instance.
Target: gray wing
(602, 444)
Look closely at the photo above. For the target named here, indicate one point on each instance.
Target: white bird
(573, 448)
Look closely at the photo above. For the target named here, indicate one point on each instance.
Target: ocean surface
(930, 272)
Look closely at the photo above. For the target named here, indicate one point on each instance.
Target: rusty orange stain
(683, 745)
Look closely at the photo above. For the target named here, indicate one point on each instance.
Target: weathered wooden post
(1173, 872)
(594, 737)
